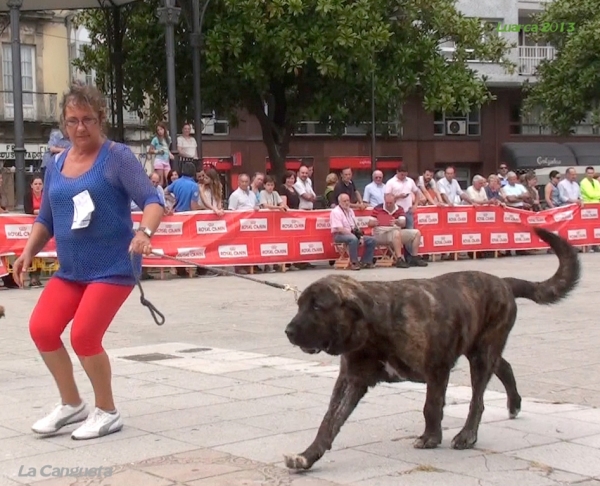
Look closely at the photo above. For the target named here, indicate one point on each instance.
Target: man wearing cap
(406, 193)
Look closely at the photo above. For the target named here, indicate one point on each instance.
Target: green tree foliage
(306, 60)
(567, 87)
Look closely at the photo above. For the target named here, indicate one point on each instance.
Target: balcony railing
(130, 118)
(530, 58)
(37, 107)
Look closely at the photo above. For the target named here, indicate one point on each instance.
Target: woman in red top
(31, 205)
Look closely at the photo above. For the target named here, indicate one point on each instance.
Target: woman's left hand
(140, 244)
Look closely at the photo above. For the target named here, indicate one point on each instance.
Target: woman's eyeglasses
(87, 122)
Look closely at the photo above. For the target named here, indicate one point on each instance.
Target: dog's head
(332, 316)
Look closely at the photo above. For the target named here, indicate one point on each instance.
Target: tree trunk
(276, 139)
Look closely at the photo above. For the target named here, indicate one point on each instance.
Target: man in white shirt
(569, 191)
(373, 195)
(476, 192)
(243, 199)
(514, 193)
(303, 187)
(450, 190)
(406, 193)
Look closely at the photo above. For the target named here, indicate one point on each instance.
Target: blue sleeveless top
(99, 252)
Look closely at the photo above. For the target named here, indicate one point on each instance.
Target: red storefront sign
(222, 164)
(363, 163)
(262, 237)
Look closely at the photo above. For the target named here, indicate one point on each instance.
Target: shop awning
(31, 5)
(587, 154)
(536, 155)
(293, 163)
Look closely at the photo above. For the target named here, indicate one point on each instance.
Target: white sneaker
(62, 415)
(98, 424)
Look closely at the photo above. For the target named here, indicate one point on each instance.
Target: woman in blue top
(159, 146)
(86, 208)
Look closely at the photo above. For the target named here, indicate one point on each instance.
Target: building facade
(473, 143)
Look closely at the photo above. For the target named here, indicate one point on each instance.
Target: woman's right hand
(20, 268)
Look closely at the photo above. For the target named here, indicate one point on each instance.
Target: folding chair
(343, 260)
(385, 256)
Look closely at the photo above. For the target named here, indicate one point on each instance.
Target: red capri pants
(91, 307)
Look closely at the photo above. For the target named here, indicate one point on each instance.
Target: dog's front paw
(465, 439)
(296, 461)
(427, 442)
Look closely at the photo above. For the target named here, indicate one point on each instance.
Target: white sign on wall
(32, 151)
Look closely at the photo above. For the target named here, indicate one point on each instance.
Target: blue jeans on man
(353, 242)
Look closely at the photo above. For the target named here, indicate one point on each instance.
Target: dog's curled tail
(561, 283)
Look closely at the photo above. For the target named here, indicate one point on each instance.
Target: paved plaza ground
(231, 395)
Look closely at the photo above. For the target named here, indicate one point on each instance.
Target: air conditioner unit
(208, 126)
(456, 127)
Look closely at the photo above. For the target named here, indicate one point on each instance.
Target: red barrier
(263, 237)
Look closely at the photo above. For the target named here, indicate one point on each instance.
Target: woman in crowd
(551, 195)
(86, 208)
(331, 180)
(187, 145)
(159, 147)
(31, 205)
(211, 192)
(288, 194)
(531, 186)
(493, 190)
(172, 176)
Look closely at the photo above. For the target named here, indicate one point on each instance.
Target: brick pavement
(231, 395)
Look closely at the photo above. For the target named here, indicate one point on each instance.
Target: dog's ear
(354, 297)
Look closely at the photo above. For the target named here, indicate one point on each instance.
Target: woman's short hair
(287, 175)
(84, 96)
(331, 179)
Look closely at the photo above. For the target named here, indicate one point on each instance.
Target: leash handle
(159, 317)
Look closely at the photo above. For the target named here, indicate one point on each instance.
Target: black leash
(158, 316)
(160, 320)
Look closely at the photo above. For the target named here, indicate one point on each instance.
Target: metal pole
(196, 42)
(19, 150)
(117, 58)
(373, 128)
(169, 16)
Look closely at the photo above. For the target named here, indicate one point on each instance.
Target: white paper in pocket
(83, 207)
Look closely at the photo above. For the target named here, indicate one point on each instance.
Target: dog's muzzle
(292, 332)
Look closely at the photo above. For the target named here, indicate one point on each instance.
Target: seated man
(388, 219)
(345, 230)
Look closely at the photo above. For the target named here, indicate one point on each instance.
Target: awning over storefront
(293, 163)
(587, 154)
(360, 162)
(536, 155)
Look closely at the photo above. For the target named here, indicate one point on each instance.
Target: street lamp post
(196, 42)
(373, 128)
(169, 15)
(17, 92)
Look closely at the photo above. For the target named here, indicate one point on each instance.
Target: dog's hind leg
(347, 392)
(434, 410)
(505, 374)
(482, 364)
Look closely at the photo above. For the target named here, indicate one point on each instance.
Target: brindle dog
(415, 330)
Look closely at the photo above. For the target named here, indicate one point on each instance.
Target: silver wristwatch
(146, 231)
